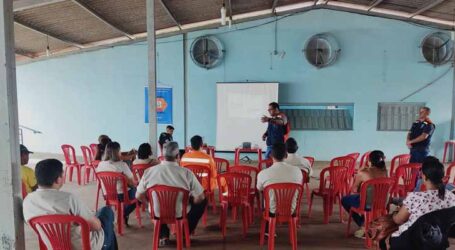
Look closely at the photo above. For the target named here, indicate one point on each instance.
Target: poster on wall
(163, 105)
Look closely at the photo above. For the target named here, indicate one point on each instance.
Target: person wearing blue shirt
(276, 129)
(419, 137)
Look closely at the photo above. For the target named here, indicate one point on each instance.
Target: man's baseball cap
(24, 149)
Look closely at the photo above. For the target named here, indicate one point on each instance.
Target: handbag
(382, 227)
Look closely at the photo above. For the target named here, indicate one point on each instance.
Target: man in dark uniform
(419, 136)
(166, 137)
(276, 129)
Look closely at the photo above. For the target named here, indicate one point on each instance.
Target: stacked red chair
(234, 192)
(167, 199)
(254, 193)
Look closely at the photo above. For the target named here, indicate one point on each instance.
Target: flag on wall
(163, 105)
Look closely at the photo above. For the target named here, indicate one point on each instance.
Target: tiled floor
(312, 235)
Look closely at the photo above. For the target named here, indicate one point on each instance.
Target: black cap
(24, 149)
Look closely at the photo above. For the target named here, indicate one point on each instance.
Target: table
(238, 151)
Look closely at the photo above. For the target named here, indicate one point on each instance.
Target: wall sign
(163, 105)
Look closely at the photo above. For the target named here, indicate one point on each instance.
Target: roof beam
(274, 4)
(102, 19)
(374, 4)
(20, 5)
(431, 5)
(42, 32)
(24, 53)
(170, 14)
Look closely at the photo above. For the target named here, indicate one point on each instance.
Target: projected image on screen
(239, 110)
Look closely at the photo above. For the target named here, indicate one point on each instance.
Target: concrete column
(151, 39)
(11, 223)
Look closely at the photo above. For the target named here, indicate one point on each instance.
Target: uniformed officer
(419, 136)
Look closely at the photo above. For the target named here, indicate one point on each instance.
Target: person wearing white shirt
(295, 159)
(169, 173)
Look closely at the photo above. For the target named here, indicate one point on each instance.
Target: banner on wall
(163, 105)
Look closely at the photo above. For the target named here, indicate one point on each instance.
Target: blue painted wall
(101, 92)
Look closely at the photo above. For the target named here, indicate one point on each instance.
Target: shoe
(126, 219)
(163, 242)
(360, 233)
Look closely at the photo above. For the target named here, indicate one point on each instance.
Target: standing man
(28, 175)
(419, 136)
(166, 137)
(277, 127)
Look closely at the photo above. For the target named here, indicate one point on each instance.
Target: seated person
(377, 169)
(197, 156)
(295, 159)
(103, 140)
(166, 137)
(112, 163)
(48, 200)
(28, 175)
(144, 155)
(417, 204)
(279, 172)
(171, 174)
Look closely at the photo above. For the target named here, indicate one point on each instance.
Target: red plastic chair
(449, 173)
(24, 190)
(266, 163)
(203, 174)
(89, 163)
(94, 149)
(398, 161)
(254, 193)
(237, 187)
(305, 184)
(109, 181)
(365, 160)
(310, 159)
(71, 162)
(210, 150)
(349, 163)
(139, 169)
(447, 146)
(161, 158)
(380, 192)
(56, 230)
(222, 165)
(355, 155)
(284, 194)
(167, 198)
(408, 174)
(331, 186)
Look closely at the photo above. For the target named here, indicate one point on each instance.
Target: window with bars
(397, 116)
(322, 116)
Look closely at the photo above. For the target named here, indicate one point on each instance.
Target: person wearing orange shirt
(197, 156)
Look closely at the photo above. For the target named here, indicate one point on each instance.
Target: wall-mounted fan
(437, 48)
(321, 50)
(207, 51)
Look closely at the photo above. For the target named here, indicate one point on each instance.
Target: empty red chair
(398, 161)
(284, 194)
(56, 231)
(349, 163)
(379, 191)
(405, 179)
(355, 155)
(305, 184)
(222, 165)
(94, 149)
(266, 163)
(365, 160)
(89, 164)
(254, 193)
(139, 169)
(447, 146)
(331, 186)
(210, 150)
(203, 175)
(109, 182)
(236, 195)
(71, 162)
(310, 159)
(167, 198)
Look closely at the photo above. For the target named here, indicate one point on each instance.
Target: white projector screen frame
(240, 107)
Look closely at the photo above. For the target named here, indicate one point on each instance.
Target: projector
(246, 145)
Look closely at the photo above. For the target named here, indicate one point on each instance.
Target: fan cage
(312, 54)
(445, 51)
(201, 60)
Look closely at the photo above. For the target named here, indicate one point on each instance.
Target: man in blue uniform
(276, 129)
(419, 136)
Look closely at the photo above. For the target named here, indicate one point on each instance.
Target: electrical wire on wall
(428, 84)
